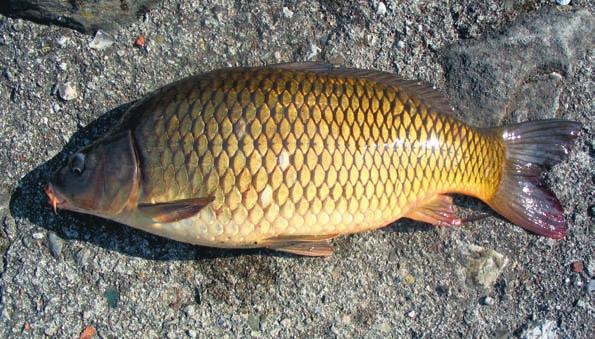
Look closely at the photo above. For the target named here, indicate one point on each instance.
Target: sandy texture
(62, 273)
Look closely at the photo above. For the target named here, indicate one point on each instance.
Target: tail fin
(522, 197)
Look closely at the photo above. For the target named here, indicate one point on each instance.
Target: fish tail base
(522, 197)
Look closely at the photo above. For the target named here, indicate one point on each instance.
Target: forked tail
(522, 197)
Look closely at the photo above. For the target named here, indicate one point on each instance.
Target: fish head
(101, 179)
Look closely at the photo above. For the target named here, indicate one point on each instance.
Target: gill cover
(102, 178)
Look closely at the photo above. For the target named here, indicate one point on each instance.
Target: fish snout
(53, 197)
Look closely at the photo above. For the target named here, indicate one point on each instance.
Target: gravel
(407, 280)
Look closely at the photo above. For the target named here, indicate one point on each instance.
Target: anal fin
(173, 211)
(438, 211)
(307, 245)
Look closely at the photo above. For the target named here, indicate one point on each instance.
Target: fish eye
(77, 164)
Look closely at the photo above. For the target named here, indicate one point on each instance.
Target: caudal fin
(522, 197)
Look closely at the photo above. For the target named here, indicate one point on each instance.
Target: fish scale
(288, 156)
(287, 152)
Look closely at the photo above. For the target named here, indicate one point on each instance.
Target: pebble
(314, 50)
(254, 322)
(8, 75)
(55, 107)
(190, 311)
(67, 91)
(562, 2)
(488, 301)
(112, 296)
(591, 286)
(51, 330)
(62, 41)
(63, 66)
(400, 44)
(411, 314)
(286, 323)
(56, 244)
(101, 41)
(544, 329)
(37, 235)
(591, 267)
(485, 265)
(191, 333)
(10, 227)
(577, 266)
(288, 13)
(381, 8)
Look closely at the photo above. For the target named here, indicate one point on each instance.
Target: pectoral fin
(437, 211)
(166, 212)
(308, 245)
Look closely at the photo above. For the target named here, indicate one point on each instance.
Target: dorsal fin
(430, 96)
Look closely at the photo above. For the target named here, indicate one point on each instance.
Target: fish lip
(54, 197)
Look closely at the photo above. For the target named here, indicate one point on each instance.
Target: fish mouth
(54, 198)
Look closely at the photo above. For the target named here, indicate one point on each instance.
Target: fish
(290, 156)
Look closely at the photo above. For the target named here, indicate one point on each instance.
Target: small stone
(63, 66)
(9, 226)
(384, 327)
(381, 8)
(409, 279)
(197, 295)
(442, 290)
(37, 235)
(112, 296)
(286, 323)
(51, 330)
(400, 44)
(67, 91)
(191, 333)
(591, 266)
(484, 265)
(254, 322)
(288, 13)
(488, 301)
(314, 50)
(577, 266)
(411, 314)
(140, 41)
(55, 244)
(591, 287)
(62, 41)
(56, 107)
(101, 41)
(8, 75)
(88, 333)
(190, 311)
(544, 329)
(562, 2)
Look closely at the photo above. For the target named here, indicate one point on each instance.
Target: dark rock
(112, 296)
(515, 75)
(83, 15)
(55, 244)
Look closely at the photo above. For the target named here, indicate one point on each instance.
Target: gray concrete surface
(62, 273)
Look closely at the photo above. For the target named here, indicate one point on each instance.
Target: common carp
(289, 156)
